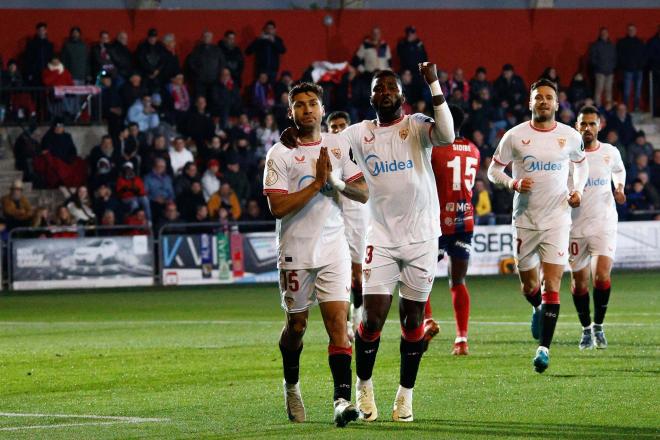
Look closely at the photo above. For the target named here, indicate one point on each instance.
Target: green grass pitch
(203, 363)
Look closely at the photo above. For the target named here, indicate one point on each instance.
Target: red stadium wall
(529, 39)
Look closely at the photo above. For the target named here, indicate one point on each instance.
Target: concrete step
(6, 165)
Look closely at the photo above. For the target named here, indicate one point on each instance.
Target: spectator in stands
(179, 97)
(263, 96)
(227, 95)
(502, 203)
(190, 200)
(612, 138)
(640, 164)
(236, 178)
(130, 154)
(640, 146)
(267, 49)
(140, 219)
(121, 57)
(198, 124)
(158, 150)
(214, 149)
(210, 179)
(112, 110)
(59, 143)
(621, 121)
(653, 54)
(80, 207)
(285, 84)
(136, 137)
(180, 155)
(225, 198)
(150, 56)
(170, 216)
(16, 208)
(54, 75)
(159, 188)
(550, 73)
(267, 134)
(650, 191)
(171, 66)
(233, 56)
(631, 60)
(132, 91)
(482, 206)
(100, 55)
(131, 192)
(143, 113)
(510, 88)
(458, 82)
(26, 148)
(38, 52)
(105, 201)
(637, 199)
(75, 57)
(206, 61)
(654, 171)
(411, 52)
(479, 81)
(602, 60)
(201, 214)
(373, 54)
(42, 218)
(480, 142)
(252, 212)
(183, 182)
(65, 224)
(20, 104)
(578, 91)
(108, 220)
(107, 150)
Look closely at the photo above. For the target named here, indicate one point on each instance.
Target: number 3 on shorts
(369, 255)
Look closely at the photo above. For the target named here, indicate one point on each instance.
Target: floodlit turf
(204, 363)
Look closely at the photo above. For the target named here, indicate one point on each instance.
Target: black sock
(291, 364)
(549, 316)
(340, 367)
(365, 356)
(357, 295)
(411, 356)
(582, 306)
(534, 298)
(601, 298)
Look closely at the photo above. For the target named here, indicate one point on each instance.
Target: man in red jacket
(130, 191)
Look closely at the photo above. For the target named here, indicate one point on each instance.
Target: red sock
(428, 313)
(461, 300)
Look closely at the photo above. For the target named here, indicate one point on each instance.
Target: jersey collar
(310, 144)
(389, 124)
(543, 129)
(595, 149)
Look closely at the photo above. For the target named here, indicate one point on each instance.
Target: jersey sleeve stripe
(501, 163)
(275, 191)
(354, 178)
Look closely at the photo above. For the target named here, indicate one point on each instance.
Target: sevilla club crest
(561, 142)
(366, 273)
(403, 133)
(336, 152)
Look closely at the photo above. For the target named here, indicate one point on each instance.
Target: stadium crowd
(187, 141)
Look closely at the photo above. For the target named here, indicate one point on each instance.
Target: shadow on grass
(437, 428)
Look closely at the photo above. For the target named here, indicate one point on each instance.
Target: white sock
(460, 339)
(544, 349)
(364, 383)
(406, 392)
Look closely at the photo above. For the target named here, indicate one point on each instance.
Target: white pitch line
(265, 322)
(86, 416)
(111, 420)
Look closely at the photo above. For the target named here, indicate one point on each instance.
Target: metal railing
(75, 104)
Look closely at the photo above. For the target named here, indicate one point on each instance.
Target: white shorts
(412, 265)
(581, 249)
(302, 288)
(547, 246)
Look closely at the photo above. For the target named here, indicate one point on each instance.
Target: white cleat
(345, 412)
(356, 317)
(350, 331)
(402, 411)
(294, 403)
(366, 403)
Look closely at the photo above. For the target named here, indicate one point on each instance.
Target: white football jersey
(313, 236)
(396, 161)
(597, 211)
(543, 156)
(356, 215)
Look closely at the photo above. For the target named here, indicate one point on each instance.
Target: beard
(543, 118)
(388, 112)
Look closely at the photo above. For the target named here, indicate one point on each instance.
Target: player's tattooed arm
(289, 137)
(285, 204)
(357, 190)
(443, 129)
